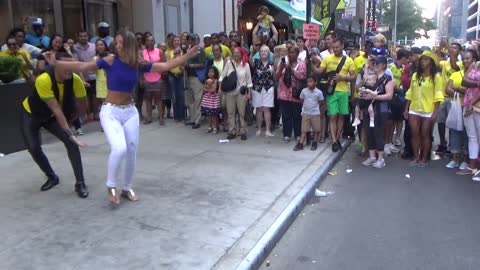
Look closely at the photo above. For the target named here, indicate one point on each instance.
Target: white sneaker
(392, 148)
(476, 176)
(269, 134)
(463, 166)
(356, 122)
(452, 164)
(387, 151)
(259, 133)
(369, 162)
(286, 139)
(380, 163)
(80, 132)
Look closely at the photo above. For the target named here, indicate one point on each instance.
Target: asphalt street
(381, 219)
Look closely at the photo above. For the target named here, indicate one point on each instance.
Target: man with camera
(340, 71)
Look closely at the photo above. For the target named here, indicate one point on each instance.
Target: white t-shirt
(310, 101)
(327, 53)
(302, 56)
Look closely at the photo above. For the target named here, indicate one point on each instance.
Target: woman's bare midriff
(119, 98)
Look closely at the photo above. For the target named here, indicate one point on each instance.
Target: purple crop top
(120, 76)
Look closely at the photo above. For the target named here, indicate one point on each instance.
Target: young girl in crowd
(101, 86)
(211, 100)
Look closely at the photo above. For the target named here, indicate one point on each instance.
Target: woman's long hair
(130, 48)
(97, 53)
(420, 71)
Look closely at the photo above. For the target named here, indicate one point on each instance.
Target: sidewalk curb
(267, 242)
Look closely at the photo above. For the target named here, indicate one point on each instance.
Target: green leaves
(409, 18)
(9, 69)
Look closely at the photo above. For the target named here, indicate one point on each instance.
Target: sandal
(215, 131)
(209, 130)
(161, 122)
(129, 195)
(147, 122)
(467, 171)
(112, 195)
(322, 140)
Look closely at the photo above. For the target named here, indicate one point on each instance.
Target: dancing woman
(118, 115)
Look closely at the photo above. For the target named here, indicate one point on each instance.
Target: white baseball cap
(103, 24)
(37, 21)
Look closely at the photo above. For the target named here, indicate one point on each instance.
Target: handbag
(331, 84)
(301, 84)
(455, 116)
(229, 83)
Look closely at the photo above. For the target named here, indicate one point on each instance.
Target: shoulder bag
(331, 84)
(229, 83)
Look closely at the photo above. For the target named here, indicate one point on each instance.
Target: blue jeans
(177, 89)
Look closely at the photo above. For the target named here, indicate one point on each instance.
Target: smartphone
(283, 60)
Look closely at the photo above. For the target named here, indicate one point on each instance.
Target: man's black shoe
(231, 136)
(243, 137)
(441, 149)
(51, 182)
(335, 147)
(81, 190)
(406, 155)
(339, 145)
(189, 123)
(196, 126)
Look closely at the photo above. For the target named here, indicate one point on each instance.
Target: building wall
(209, 16)
(458, 20)
(473, 20)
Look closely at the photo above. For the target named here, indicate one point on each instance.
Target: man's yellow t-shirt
(359, 62)
(447, 69)
(423, 96)
(397, 72)
(21, 53)
(225, 51)
(43, 85)
(330, 63)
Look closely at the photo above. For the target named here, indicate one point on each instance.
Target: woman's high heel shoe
(112, 195)
(129, 195)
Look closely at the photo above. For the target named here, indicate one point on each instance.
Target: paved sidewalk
(202, 204)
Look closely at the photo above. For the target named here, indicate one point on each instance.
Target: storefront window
(101, 11)
(72, 17)
(27, 10)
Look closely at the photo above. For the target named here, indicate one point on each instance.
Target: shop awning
(298, 17)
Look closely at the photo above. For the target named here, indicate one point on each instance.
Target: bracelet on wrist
(68, 132)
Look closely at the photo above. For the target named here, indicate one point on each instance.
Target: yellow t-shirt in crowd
(330, 63)
(176, 70)
(101, 82)
(457, 78)
(43, 85)
(23, 72)
(423, 96)
(397, 74)
(447, 70)
(225, 51)
(359, 62)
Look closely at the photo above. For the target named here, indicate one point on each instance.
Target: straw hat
(432, 56)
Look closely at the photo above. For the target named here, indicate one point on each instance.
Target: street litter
(332, 173)
(407, 176)
(268, 263)
(2, 154)
(224, 141)
(320, 193)
(314, 261)
(348, 170)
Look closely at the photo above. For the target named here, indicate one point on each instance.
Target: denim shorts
(458, 141)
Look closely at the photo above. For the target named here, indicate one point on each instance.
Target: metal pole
(309, 11)
(394, 34)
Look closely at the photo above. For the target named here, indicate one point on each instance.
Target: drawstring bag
(455, 117)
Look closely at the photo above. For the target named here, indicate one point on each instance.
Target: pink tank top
(152, 56)
(470, 93)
